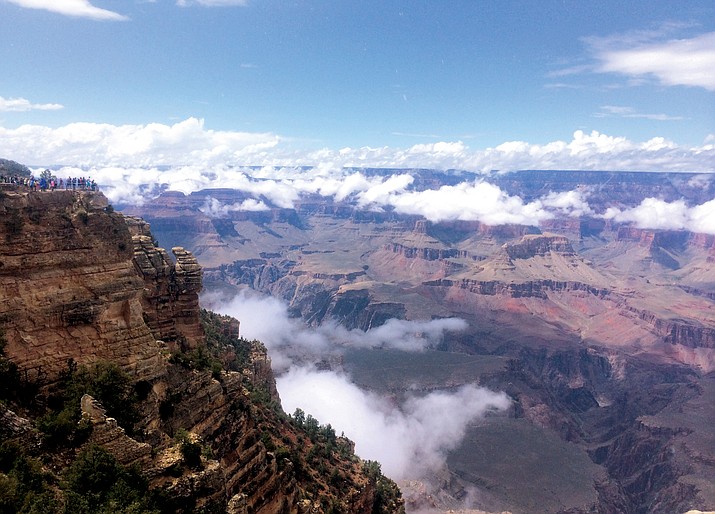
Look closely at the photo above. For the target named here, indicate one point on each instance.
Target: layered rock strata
(69, 286)
(81, 284)
(171, 292)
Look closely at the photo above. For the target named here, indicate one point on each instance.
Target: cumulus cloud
(214, 208)
(655, 213)
(409, 440)
(470, 201)
(380, 193)
(133, 163)
(23, 105)
(74, 8)
(153, 144)
(568, 203)
(191, 143)
(674, 62)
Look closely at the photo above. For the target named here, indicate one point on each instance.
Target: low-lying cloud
(471, 200)
(134, 163)
(214, 208)
(410, 440)
(655, 213)
(487, 203)
(266, 318)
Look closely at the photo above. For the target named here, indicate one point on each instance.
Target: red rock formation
(532, 245)
(528, 289)
(68, 286)
(430, 254)
(171, 291)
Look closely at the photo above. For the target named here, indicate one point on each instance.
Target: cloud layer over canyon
(410, 440)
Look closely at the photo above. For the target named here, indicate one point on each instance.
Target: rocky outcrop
(542, 244)
(430, 254)
(171, 291)
(527, 289)
(257, 273)
(671, 239)
(69, 287)
(187, 283)
(112, 437)
(679, 332)
(575, 227)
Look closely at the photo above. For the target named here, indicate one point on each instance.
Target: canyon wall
(81, 285)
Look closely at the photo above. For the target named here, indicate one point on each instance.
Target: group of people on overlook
(44, 183)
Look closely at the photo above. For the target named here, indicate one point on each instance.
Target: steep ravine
(594, 397)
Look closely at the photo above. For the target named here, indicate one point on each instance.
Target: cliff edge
(107, 360)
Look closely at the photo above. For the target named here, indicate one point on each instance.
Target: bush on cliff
(24, 485)
(94, 483)
(97, 483)
(107, 383)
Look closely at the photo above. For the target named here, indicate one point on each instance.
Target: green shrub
(190, 450)
(97, 483)
(107, 383)
(24, 485)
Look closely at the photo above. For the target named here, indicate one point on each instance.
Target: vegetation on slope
(41, 470)
(10, 168)
(51, 468)
(324, 464)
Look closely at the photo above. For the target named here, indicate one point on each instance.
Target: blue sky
(310, 75)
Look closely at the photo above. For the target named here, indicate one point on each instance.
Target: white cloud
(75, 8)
(568, 203)
(675, 62)
(655, 213)
(190, 143)
(470, 201)
(23, 105)
(381, 192)
(214, 208)
(410, 441)
(154, 144)
(266, 318)
(135, 162)
(608, 111)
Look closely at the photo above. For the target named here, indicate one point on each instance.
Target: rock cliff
(171, 291)
(69, 286)
(84, 287)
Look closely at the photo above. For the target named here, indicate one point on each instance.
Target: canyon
(601, 332)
